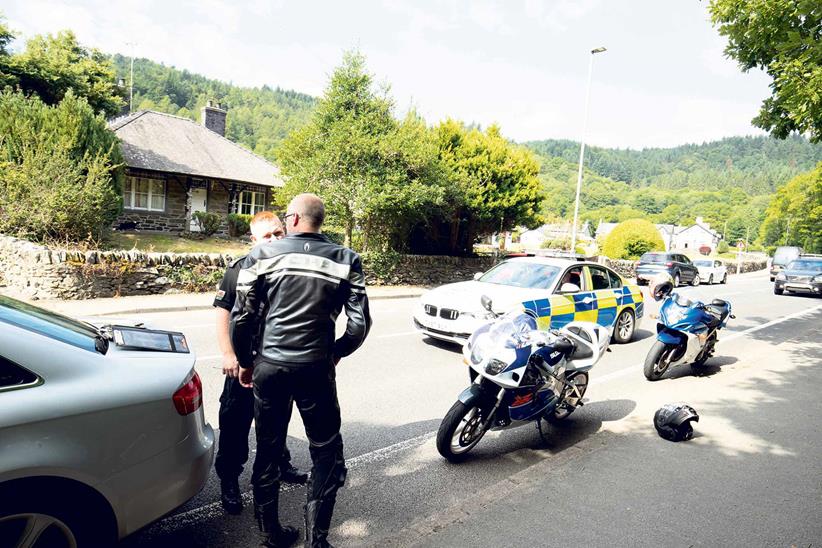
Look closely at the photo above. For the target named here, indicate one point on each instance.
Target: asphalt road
(752, 476)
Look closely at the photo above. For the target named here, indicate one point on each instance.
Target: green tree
(60, 169)
(784, 38)
(374, 173)
(794, 216)
(53, 65)
(632, 238)
(496, 182)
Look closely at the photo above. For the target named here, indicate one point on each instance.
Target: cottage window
(144, 194)
(251, 202)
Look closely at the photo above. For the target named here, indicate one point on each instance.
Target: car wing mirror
(568, 287)
(478, 275)
(486, 302)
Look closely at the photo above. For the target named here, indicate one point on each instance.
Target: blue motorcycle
(519, 375)
(686, 333)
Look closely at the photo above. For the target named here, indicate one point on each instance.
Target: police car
(557, 290)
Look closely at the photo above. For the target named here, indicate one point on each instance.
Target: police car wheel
(625, 327)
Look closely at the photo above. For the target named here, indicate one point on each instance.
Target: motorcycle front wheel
(657, 360)
(460, 430)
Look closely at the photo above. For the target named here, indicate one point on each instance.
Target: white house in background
(695, 236)
(533, 239)
(677, 237)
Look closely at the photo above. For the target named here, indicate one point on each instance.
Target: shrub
(557, 243)
(381, 264)
(722, 247)
(238, 224)
(209, 223)
(630, 239)
(60, 169)
(336, 235)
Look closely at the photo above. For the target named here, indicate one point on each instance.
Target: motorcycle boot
(328, 475)
(275, 535)
(230, 497)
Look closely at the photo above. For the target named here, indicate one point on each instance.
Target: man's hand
(231, 367)
(246, 374)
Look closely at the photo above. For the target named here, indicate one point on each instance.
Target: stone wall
(34, 271)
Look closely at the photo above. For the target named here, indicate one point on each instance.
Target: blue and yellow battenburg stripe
(601, 306)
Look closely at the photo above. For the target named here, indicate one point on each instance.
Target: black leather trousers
(313, 388)
(235, 416)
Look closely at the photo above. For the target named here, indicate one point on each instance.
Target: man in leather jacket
(237, 402)
(302, 282)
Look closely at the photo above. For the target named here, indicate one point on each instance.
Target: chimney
(213, 117)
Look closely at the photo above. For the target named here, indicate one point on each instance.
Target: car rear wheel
(778, 290)
(696, 280)
(710, 279)
(725, 278)
(42, 514)
(624, 327)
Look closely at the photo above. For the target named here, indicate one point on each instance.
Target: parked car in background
(677, 265)
(101, 429)
(556, 290)
(711, 270)
(782, 257)
(803, 275)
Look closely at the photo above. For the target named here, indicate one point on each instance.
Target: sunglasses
(285, 218)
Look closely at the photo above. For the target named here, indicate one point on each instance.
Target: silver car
(101, 429)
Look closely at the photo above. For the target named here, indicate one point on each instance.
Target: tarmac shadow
(641, 335)
(444, 345)
(712, 367)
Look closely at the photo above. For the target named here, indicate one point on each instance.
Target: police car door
(567, 307)
(606, 299)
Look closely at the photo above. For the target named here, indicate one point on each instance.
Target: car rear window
(52, 325)
(805, 264)
(520, 273)
(703, 263)
(654, 258)
(14, 376)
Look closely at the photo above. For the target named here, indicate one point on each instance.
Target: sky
(522, 64)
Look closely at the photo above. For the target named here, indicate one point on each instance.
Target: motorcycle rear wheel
(656, 362)
(562, 411)
(460, 430)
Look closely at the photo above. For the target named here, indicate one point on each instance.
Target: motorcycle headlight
(495, 367)
(780, 276)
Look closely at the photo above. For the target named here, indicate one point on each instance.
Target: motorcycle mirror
(568, 287)
(486, 302)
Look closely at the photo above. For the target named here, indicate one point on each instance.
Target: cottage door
(199, 202)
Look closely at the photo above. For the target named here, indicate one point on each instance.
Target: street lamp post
(582, 149)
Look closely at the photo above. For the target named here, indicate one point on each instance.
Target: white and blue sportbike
(520, 375)
(686, 331)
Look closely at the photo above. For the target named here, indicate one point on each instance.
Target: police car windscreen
(522, 274)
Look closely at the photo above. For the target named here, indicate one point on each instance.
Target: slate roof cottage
(175, 167)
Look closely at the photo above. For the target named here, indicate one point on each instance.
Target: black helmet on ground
(673, 421)
(661, 286)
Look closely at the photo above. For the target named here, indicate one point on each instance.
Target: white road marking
(214, 509)
(637, 367)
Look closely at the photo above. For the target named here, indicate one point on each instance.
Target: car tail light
(189, 397)
(669, 264)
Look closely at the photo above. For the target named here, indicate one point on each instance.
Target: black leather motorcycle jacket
(290, 292)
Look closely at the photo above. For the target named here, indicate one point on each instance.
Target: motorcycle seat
(719, 303)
